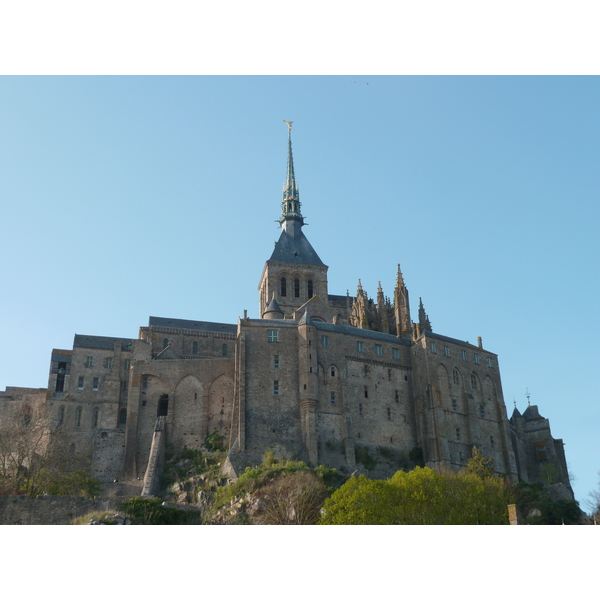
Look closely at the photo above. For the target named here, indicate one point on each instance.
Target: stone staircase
(156, 459)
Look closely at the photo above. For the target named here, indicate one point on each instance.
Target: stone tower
(294, 275)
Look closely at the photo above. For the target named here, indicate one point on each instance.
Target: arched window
(78, 416)
(474, 381)
(123, 416)
(296, 288)
(195, 348)
(224, 350)
(165, 343)
(455, 377)
(309, 288)
(283, 287)
(95, 418)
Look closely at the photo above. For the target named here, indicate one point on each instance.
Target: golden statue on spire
(289, 124)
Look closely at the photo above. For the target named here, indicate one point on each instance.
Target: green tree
(479, 465)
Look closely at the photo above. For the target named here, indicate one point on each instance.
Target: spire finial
(290, 205)
(527, 395)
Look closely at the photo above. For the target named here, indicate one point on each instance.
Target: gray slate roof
(101, 342)
(188, 324)
(293, 247)
(364, 333)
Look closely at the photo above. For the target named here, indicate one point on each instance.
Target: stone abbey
(328, 379)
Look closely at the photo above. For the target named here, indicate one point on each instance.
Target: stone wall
(50, 510)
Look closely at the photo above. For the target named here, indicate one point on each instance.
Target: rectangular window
(272, 335)
(124, 386)
(389, 374)
(397, 395)
(108, 363)
(276, 361)
(89, 361)
(332, 397)
(80, 383)
(324, 340)
(433, 347)
(127, 364)
(476, 357)
(389, 411)
(463, 354)
(454, 407)
(359, 346)
(366, 392)
(145, 382)
(492, 443)
(458, 434)
(95, 384)
(378, 350)
(276, 388)
(446, 351)
(490, 362)
(395, 353)
(481, 410)
(360, 410)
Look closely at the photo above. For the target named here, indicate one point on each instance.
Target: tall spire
(290, 205)
(423, 318)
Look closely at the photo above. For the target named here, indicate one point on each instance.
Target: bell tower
(294, 275)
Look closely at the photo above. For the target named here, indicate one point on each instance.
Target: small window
(124, 386)
(324, 340)
(95, 384)
(389, 374)
(333, 371)
(89, 361)
(194, 347)
(378, 349)
(360, 411)
(276, 361)
(476, 357)
(366, 392)
(80, 382)
(78, 416)
(104, 435)
(474, 381)
(490, 362)
(432, 346)
(365, 370)
(492, 442)
(123, 416)
(95, 418)
(127, 364)
(446, 351)
(359, 346)
(332, 395)
(395, 353)
(454, 406)
(397, 395)
(165, 343)
(481, 410)
(463, 354)
(108, 362)
(296, 288)
(276, 388)
(145, 382)
(389, 414)
(309, 288)
(455, 376)
(224, 350)
(458, 434)
(283, 287)
(272, 335)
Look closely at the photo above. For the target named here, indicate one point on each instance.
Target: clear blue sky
(129, 197)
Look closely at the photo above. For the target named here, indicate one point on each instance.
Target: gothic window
(379, 349)
(123, 416)
(224, 350)
(474, 381)
(455, 376)
(95, 418)
(194, 347)
(78, 416)
(272, 335)
(296, 288)
(165, 343)
(276, 388)
(309, 288)
(283, 287)
(395, 353)
(80, 382)
(95, 384)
